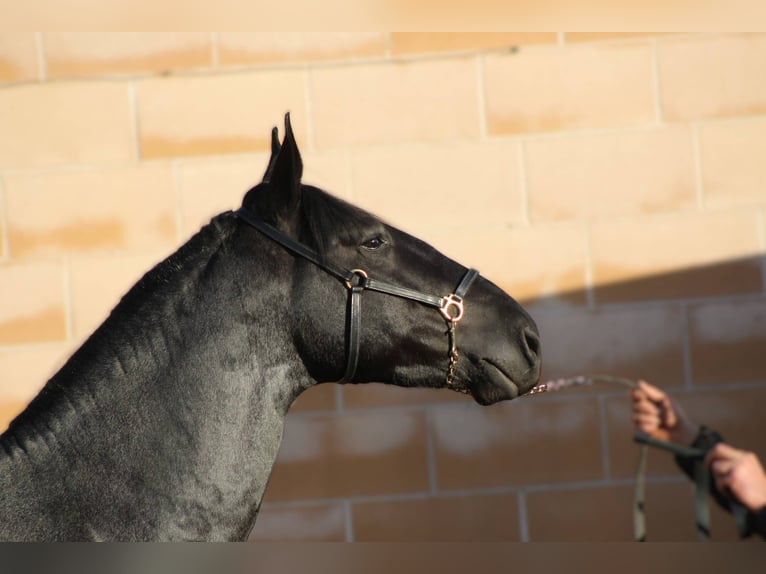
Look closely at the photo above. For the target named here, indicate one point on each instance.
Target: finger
(722, 453)
(646, 407)
(646, 423)
(653, 393)
(721, 467)
(722, 485)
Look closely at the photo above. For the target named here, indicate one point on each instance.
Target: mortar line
(656, 85)
(215, 54)
(524, 180)
(521, 498)
(68, 300)
(348, 520)
(686, 348)
(489, 491)
(697, 159)
(590, 280)
(761, 223)
(44, 346)
(433, 482)
(135, 122)
(561, 39)
(340, 407)
(4, 221)
(606, 462)
(179, 201)
(482, 98)
(42, 66)
(308, 80)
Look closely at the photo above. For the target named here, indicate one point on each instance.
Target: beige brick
(482, 518)
(211, 186)
(254, 48)
(477, 447)
(733, 168)
(624, 452)
(541, 89)
(9, 410)
(315, 523)
(676, 256)
(395, 102)
(62, 123)
(97, 284)
(32, 303)
(90, 211)
(370, 395)
(80, 54)
(330, 170)
(419, 187)
(23, 372)
(607, 174)
(544, 265)
(18, 57)
(404, 43)
(3, 242)
(736, 413)
(356, 454)
(316, 398)
(604, 514)
(220, 114)
(636, 342)
(599, 36)
(727, 342)
(713, 76)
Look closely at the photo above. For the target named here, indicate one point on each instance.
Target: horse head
(485, 345)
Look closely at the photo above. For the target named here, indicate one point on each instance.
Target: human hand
(659, 416)
(738, 474)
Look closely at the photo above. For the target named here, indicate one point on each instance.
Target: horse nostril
(531, 345)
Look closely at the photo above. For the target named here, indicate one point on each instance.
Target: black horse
(165, 424)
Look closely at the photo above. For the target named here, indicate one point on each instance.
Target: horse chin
(495, 385)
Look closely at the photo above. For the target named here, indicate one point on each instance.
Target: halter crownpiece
(357, 281)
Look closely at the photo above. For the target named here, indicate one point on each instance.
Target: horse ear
(275, 145)
(287, 169)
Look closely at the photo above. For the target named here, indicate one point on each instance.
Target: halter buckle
(361, 273)
(452, 308)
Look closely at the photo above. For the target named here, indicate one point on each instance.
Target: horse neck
(176, 404)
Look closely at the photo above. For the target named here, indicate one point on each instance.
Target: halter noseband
(357, 281)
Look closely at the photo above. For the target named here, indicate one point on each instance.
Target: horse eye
(374, 243)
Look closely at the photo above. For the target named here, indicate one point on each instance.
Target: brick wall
(615, 184)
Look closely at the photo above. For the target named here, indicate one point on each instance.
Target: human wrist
(685, 433)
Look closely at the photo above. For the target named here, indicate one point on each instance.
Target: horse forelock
(329, 219)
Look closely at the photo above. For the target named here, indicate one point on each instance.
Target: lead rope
(701, 479)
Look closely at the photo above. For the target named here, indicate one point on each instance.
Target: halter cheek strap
(357, 281)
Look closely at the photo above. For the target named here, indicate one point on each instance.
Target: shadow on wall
(700, 333)
(698, 326)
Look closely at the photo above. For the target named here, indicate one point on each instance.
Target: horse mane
(136, 312)
(324, 219)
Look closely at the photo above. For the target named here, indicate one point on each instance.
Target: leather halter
(357, 281)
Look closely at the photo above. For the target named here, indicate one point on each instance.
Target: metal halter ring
(448, 303)
(359, 272)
